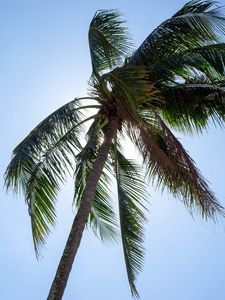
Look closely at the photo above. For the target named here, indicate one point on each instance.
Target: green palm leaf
(109, 41)
(190, 107)
(195, 25)
(40, 164)
(131, 196)
(207, 59)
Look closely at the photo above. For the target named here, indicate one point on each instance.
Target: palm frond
(194, 6)
(40, 195)
(211, 54)
(169, 165)
(102, 218)
(207, 59)
(197, 24)
(109, 41)
(190, 106)
(131, 196)
(43, 138)
(40, 164)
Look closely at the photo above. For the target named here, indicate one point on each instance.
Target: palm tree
(174, 80)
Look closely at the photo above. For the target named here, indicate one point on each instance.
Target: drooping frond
(131, 197)
(40, 164)
(41, 138)
(170, 166)
(192, 105)
(102, 217)
(109, 41)
(40, 194)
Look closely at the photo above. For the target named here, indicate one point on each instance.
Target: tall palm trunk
(73, 242)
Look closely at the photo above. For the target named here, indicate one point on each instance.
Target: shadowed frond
(102, 218)
(131, 196)
(207, 59)
(190, 106)
(211, 55)
(109, 40)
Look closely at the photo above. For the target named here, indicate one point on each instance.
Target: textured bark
(73, 242)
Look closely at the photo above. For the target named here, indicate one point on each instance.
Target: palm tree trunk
(73, 242)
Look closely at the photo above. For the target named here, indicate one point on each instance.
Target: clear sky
(45, 63)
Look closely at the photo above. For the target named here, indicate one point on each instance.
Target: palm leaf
(192, 105)
(195, 25)
(212, 54)
(208, 59)
(169, 165)
(109, 41)
(41, 139)
(131, 196)
(40, 164)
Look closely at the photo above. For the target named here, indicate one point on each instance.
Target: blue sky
(44, 64)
